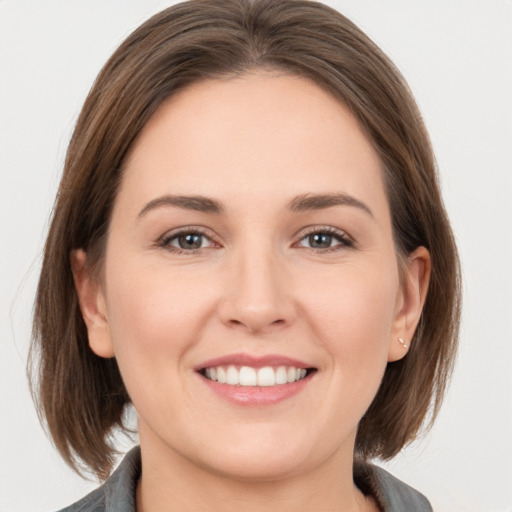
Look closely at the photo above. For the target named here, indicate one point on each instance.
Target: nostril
(257, 325)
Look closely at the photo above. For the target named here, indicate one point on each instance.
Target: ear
(92, 305)
(410, 301)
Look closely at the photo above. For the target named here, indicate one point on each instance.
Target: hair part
(81, 396)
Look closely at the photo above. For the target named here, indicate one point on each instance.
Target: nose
(258, 293)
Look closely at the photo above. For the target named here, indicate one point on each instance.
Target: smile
(265, 376)
(258, 380)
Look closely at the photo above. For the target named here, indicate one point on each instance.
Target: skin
(256, 286)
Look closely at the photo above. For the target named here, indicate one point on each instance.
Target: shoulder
(117, 494)
(397, 495)
(93, 502)
(392, 494)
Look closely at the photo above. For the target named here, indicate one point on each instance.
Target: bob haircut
(81, 397)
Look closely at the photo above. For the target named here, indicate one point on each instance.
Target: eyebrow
(197, 203)
(301, 203)
(306, 202)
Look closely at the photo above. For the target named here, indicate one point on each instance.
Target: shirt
(117, 494)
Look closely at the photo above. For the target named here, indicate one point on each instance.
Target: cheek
(352, 312)
(154, 316)
(349, 312)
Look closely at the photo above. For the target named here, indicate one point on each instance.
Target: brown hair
(81, 396)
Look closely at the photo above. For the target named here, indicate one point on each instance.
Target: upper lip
(253, 361)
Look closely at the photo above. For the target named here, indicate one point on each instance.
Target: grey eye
(186, 240)
(325, 239)
(320, 240)
(189, 241)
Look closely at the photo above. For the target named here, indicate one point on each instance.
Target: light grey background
(457, 57)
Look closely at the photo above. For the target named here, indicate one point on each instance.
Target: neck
(171, 482)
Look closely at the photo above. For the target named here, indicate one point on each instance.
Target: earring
(402, 342)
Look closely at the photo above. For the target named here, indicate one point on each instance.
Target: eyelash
(344, 240)
(166, 240)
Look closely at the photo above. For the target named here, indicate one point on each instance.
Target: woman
(250, 246)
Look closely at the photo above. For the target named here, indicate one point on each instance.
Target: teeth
(221, 375)
(232, 376)
(266, 376)
(248, 376)
(281, 375)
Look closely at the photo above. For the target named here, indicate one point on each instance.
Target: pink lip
(254, 361)
(255, 395)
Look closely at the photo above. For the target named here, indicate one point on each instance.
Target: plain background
(457, 57)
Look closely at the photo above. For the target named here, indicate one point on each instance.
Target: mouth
(246, 380)
(250, 376)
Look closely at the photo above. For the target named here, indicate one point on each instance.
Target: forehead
(259, 134)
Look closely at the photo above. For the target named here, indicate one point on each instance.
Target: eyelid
(346, 241)
(164, 240)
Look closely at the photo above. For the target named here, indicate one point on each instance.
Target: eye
(186, 241)
(189, 241)
(325, 239)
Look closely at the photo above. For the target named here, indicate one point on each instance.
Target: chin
(276, 454)
(260, 467)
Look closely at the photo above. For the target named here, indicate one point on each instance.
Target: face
(250, 289)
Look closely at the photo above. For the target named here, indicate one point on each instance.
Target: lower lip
(257, 395)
